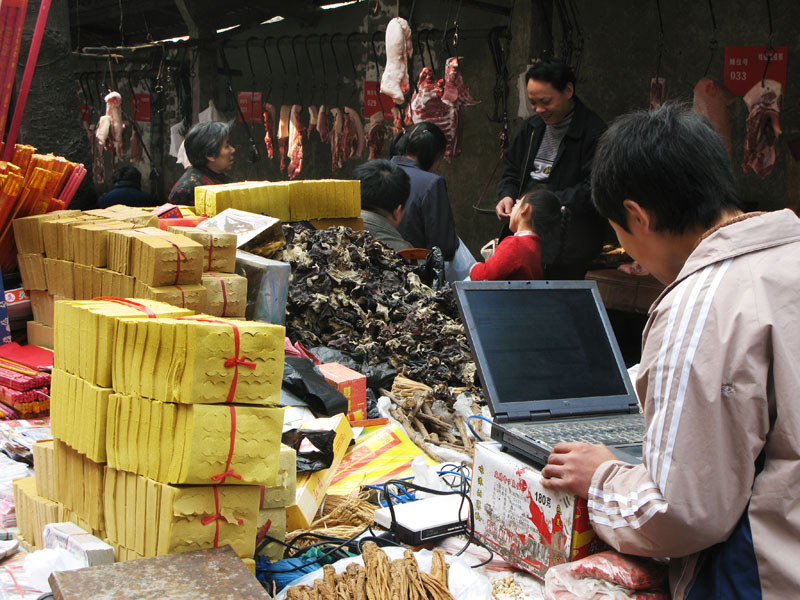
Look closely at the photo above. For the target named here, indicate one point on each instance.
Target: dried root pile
(352, 293)
(379, 579)
(342, 516)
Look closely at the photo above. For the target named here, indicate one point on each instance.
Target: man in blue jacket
(554, 149)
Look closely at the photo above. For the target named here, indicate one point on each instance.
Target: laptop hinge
(543, 415)
(500, 418)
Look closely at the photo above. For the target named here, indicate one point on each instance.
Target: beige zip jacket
(719, 382)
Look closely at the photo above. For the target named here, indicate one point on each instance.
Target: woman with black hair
(428, 219)
(211, 155)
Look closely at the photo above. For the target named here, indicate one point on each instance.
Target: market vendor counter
(629, 293)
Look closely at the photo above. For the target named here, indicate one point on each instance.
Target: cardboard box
(40, 334)
(81, 544)
(312, 487)
(352, 385)
(620, 291)
(530, 527)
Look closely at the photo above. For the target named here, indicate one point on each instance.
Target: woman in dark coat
(211, 155)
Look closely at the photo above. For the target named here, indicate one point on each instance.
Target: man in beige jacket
(719, 488)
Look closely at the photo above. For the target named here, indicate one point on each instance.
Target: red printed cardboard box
(352, 385)
(529, 526)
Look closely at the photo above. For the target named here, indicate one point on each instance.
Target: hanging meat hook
(269, 65)
(285, 85)
(252, 155)
(297, 69)
(352, 64)
(338, 70)
(377, 68)
(324, 86)
(311, 67)
(428, 33)
(250, 60)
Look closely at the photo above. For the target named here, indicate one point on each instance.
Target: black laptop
(550, 367)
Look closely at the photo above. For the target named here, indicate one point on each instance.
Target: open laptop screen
(548, 344)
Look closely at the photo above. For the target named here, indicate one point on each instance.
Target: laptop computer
(550, 367)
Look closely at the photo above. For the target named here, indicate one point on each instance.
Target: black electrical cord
(318, 558)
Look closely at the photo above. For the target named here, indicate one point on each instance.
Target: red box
(352, 384)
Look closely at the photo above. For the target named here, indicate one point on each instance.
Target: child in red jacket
(519, 257)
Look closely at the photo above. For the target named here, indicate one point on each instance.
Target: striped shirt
(548, 149)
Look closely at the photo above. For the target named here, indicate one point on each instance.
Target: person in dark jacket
(384, 192)
(556, 147)
(127, 190)
(211, 155)
(428, 220)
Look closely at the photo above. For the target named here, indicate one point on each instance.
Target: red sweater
(517, 257)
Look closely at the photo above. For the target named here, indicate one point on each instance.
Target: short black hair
(545, 211)
(128, 173)
(205, 139)
(384, 185)
(668, 160)
(423, 140)
(553, 71)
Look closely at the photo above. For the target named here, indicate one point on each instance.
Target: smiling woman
(211, 155)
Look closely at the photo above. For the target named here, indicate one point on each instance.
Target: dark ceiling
(97, 23)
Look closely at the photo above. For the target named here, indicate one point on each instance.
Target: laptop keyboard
(616, 431)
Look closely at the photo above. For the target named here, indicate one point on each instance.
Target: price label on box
(744, 67)
(140, 107)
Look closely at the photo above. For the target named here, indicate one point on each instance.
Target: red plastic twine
(72, 535)
(131, 303)
(216, 517)
(232, 362)
(183, 296)
(16, 587)
(224, 294)
(180, 253)
(264, 530)
(228, 472)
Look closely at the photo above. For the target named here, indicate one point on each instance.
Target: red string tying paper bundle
(138, 306)
(224, 293)
(216, 517)
(180, 253)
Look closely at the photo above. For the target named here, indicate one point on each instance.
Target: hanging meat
(442, 102)
(136, 146)
(312, 119)
(399, 48)
(353, 135)
(269, 128)
(336, 136)
(114, 112)
(297, 132)
(397, 121)
(763, 128)
(322, 124)
(711, 100)
(658, 92)
(98, 168)
(283, 133)
(376, 135)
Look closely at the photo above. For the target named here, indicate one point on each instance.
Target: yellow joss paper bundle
(192, 297)
(219, 247)
(78, 412)
(199, 360)
(79, 485)
(85, 330)
(153, 519)
(194, 444)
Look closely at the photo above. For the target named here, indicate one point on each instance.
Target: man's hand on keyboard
(571, 465)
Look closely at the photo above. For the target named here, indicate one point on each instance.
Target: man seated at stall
(384, 191)
(717, 491)
(211, 155)
(127, 190)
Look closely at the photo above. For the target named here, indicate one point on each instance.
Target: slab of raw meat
(353, 135)
(283, 133)
(269, 128)
(336, 136)
(376, 135)
(763, 127)
(711, 100)
(323, 126)
(394, 82)
(296, 135)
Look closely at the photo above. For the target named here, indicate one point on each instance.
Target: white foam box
(81, 544)
(530, 527)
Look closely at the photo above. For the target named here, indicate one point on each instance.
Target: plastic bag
(314, 448)
(458, 268)
(607, 576)
(300, 377)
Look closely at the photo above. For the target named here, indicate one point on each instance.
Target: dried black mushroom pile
(350, 292)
